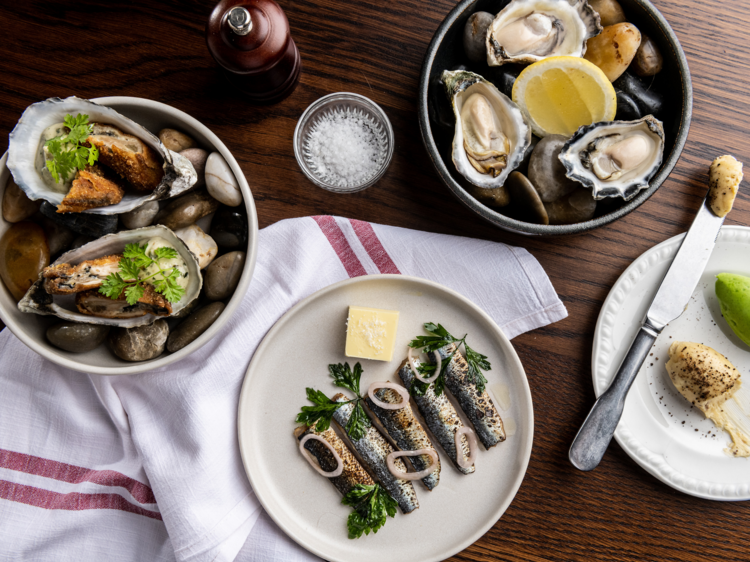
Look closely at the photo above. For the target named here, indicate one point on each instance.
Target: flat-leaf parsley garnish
(324, 407)
(133, 262)
(68, 151)
(440, 337)
(321, 413)
(371, 505)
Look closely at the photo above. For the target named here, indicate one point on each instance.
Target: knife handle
(596, 432)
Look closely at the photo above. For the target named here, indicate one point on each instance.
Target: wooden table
(155, 49)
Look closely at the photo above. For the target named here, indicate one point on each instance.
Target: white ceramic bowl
(31, 328)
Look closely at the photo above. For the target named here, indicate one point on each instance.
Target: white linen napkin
(147, 467)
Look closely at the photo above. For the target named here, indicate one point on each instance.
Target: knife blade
(669, 303)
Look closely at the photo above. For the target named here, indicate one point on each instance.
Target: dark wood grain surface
(155, 49)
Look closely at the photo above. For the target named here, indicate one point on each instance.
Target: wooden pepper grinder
(250, 39)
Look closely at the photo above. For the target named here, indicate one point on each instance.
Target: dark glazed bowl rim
(517, 226)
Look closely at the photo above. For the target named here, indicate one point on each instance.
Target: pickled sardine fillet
(477, 406)
(96, 304)
(440, 417)
(92, 188)
(373, 448)
(406, 431)
(65, 279)
(353, 472)
(127, 155)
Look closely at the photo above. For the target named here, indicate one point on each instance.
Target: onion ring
(340, 464)
(471, 437)
(414, 370)
(393, 386)
(412, 475)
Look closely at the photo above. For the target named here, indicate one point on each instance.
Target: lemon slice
(559, 94)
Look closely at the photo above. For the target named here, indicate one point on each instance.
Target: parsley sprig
(324, 407)
(134, 260)
(371, 505)
(440, 337)
(68, 151)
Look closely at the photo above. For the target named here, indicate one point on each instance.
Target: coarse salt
(345, 148)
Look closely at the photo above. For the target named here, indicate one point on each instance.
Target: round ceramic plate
(295, 354)
(659, 429)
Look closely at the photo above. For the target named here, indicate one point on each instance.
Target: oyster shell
(23, 148)
(526, 31)
(615, 158)
(491, 135)
(38, 301)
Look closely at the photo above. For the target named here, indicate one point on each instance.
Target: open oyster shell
(491, 136)
(615, 158)
(38, 301)
(23, 146)
(526, 31)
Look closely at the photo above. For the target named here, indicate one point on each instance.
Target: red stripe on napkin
(74, 474)
(340, 245)
(373, 247)
(73, 501)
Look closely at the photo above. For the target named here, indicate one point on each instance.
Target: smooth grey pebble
(140, 343)
(140, 217)
(75, 337)
(223, 275)
(193, 326)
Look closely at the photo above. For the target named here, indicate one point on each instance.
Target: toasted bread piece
(127, 155)
(92, 187)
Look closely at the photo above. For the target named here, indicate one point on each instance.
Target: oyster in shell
(491, 135)
(67, 289)
(26, 166)
(615, 158)
(526, 31)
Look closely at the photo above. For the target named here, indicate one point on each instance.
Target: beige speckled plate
(295, 354)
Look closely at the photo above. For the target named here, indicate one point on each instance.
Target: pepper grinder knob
(239, 20)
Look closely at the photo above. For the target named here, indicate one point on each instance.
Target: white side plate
(659, 429)
(296, 353)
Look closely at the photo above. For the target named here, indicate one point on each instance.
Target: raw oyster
(38, 301)
(24, 143)
(615, 158)
(526, 31)
(491, 135)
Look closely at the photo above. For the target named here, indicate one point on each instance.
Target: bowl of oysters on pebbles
(128, 233)
(551, 117)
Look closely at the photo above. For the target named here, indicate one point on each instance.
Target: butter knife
(669, 303)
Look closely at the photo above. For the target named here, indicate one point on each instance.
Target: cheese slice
(371, 333)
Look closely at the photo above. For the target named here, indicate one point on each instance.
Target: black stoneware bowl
(436, 118)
